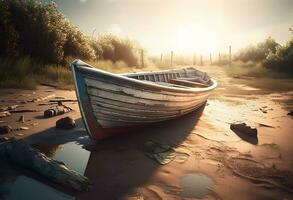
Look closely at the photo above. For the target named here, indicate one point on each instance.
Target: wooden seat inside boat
(184, 78)
(187, 83)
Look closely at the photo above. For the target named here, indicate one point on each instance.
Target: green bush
(30, 28)
(257, 52)
(270, 55)
(282, 60)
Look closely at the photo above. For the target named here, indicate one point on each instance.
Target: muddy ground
(207, 161)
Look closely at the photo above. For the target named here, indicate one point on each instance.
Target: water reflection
(74, 156)
(196, 185)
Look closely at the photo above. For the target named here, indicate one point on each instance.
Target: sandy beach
(209, 160)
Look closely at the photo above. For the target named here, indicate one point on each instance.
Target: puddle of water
(71, 154)
(74, 156)
(196, 185)
(21, 187)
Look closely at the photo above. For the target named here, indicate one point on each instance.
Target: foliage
(110, 47)
(282, 60)
(269, 55)
(27, 73)
(38, 42)
(258, 52)
(38, 30)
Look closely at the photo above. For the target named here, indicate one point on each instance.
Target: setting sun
(195, 38)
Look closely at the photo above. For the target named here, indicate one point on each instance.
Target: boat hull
(112, 104)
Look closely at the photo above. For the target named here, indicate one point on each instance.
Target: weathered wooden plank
(108, 85)
(187, 83)
(146, 105)
(108, 121)
(144, 112)
(136, 117)
(130, 109)
(137, 100)
(135, 92)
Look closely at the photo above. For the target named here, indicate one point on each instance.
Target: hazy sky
(184, 26)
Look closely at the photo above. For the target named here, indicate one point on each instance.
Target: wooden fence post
(201, 63)
(171, 58)
(141, 57)
(230, 56)
(211, 61)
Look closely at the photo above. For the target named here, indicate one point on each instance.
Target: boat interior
(182, 78)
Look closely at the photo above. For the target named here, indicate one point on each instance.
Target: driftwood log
(21, 154)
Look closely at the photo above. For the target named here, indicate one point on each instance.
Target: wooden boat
(111, 103)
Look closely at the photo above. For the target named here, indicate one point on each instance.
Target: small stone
(65, 123)
(23, 128)
(19, 134)
(290, 113)
(49, 113)
(5, 129)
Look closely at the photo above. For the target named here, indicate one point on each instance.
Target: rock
(290, 113)
(243, 128)
(65, 123)
(49, 113)
(5, 129)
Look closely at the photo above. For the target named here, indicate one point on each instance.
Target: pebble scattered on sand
(65, 123)
(24, 128)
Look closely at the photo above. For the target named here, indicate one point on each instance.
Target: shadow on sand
(118, 166)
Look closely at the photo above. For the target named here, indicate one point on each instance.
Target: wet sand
(231, 166)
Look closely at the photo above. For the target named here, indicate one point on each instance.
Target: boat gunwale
(91, 71)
